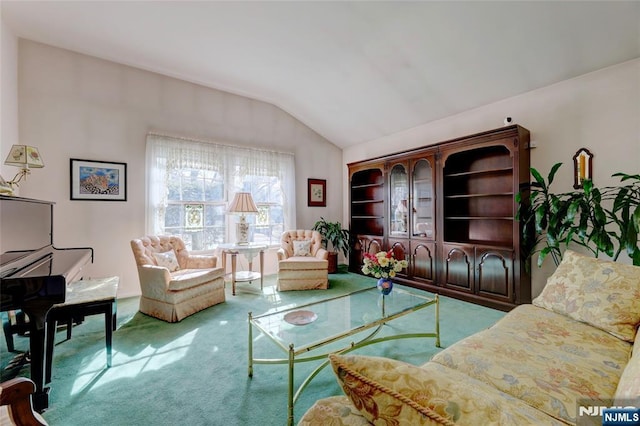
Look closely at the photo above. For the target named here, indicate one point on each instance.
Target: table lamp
(26, 157)
(242, 204)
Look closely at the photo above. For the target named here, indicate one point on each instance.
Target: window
(190, 183)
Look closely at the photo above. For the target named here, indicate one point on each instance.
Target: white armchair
(302, 262)
(175, 283)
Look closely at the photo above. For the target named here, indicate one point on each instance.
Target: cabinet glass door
(422, 219)
(399, 197)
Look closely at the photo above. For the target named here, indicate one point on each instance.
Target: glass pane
(422, 212)
(173, 185)
(213, 187)
(214, 215)
(399, 186)
(173, 215)
(192, 185)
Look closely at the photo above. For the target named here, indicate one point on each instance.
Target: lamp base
(242, 231)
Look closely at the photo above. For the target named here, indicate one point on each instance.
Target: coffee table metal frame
(373, 323)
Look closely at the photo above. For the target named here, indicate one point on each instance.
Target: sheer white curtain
(165, 153)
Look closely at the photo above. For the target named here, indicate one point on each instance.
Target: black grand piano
(34, 274)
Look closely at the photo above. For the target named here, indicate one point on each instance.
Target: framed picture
(317, 193)
(98, 180)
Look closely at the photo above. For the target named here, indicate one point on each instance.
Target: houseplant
(333, 233)
(602, 220)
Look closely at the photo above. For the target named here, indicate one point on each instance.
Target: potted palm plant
(602, 220)
(333, 233)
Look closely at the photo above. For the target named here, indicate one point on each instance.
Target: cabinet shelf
(367, 217)
(480, 172)
(478, 218)
(487, 194)
(366, 201)
(481, 243)
(366, 185)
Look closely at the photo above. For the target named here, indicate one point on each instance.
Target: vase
(385, 285)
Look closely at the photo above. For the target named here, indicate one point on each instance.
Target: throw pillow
(302, 248)
(387, 391)
(601, 293)
(168, 260)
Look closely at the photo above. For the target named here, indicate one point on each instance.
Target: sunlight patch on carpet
(148, 359)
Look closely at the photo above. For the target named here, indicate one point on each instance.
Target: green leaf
(543, 253)
(552, 172)
(538, 177)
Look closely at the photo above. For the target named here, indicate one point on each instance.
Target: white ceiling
(353, 71)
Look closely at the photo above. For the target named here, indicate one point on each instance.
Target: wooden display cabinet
(449, 210)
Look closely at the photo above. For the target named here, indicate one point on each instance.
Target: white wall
(76, 106)
(599, 111)
(8, 96)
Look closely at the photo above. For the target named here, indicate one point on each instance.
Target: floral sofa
(575, 345)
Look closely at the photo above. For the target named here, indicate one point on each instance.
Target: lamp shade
(24, 156)
(242, 203)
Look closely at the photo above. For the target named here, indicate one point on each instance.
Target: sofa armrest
(16, 393)
(201, 261)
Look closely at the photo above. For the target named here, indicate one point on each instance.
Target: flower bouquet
(384, 266)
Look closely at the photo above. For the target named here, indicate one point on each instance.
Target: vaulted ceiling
(353, 71)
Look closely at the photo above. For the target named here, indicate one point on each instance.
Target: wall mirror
(582, 167)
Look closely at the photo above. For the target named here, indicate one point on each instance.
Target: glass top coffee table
(305, 329)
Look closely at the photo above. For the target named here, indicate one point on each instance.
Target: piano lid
(26, 225)
(26, 241)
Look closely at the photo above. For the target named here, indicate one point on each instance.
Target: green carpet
(195, 372)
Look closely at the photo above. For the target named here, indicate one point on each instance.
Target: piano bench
(83, 298)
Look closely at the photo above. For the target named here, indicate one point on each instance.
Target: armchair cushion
(302, 248)
(167, 260)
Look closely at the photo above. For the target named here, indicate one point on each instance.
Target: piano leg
(37, 337)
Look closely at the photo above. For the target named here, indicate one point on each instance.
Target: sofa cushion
(334, 411)
(167, 260)
(546, 359)
(602, 293)
(392, 392)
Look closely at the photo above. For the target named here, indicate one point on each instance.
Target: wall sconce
(26, 157)
(582, 167)
(242, 204)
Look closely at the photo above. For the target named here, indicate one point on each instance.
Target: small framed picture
(317, 193)
(98, 180)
